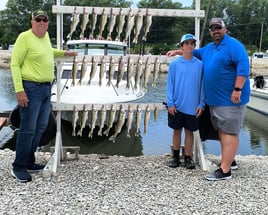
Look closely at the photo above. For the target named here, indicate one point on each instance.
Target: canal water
(157, 140)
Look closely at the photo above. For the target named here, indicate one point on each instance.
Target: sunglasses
(215, 28)
(39, 19)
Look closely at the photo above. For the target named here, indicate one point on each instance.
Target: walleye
(111, 119)
(155, 71)
(102, 119)
(129, 71)
(138, 26)
(74, 71)
(146, 74)
(75, 118)
(84, 120)
(93, 24)
(102, 24)
(83, 70)
(146, 118)
(111, 71)
(94, 116)
(138, 120)
(75, 21)
(120, 24)
(84, 23)
(102, 70)
(120, 123)
(111, 24)
(129, 119)
(120, 71)
(93, 69)
(130, 24)
(138, 73)
(148, 23)
(155, 113)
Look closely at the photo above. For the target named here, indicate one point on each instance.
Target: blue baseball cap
(186, 37)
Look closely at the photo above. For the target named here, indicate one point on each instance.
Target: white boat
(259, 95)
(96, 92)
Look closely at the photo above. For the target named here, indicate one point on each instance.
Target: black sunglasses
(39, 19)
(215, 28)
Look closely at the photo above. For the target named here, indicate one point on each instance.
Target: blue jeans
(34, 119)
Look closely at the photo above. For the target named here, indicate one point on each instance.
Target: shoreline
(134, 185)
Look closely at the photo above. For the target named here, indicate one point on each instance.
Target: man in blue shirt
(227, 90)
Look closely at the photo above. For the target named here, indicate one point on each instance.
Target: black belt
(39, 83)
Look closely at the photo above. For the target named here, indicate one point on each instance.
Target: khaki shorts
(229, 119)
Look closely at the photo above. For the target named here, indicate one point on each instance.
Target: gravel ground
(134, 185)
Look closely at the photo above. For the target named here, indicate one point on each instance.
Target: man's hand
(22, 99)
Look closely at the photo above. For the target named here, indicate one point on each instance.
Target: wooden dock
(3, 122)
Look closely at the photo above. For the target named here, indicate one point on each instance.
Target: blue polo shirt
(222, 63)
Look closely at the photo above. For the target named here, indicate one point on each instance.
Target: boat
(259, 95)
(100, 88)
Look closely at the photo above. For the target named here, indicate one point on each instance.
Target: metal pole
(261, 36)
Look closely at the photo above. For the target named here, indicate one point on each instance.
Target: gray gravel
(136, 185)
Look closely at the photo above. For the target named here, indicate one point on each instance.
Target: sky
(184, 3)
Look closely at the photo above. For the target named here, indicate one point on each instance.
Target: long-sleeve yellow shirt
(33, 59)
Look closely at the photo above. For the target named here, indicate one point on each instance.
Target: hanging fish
(111, 71)
(156, 111)
(102, 23)
(120, 71)
(75, 21)
(111, 119)
(138, 26)
(138, 120)
(93, 69)
(74, 71)
(146, 74)
(130, 24)
(129, 72)
(102, 119)
(120, 123)
(129, 120)
(155, 71)
(75, 118)
(93, 24)
(84, 23)
(94, 116)
(146, 118)
(84, 120)
(111, 24)
(120, 24)
(83, 70)
(138, 73)
(102, 70)
(148, 22)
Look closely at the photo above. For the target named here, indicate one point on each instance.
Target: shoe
(174, 163)
(21, 175)
(234, 165)
(218, 175)
(36, 167)
(189, 164)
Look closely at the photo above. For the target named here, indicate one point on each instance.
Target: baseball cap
(186, 37)
(216, 21)
(38, 13)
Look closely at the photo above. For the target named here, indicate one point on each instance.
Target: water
(157, 141)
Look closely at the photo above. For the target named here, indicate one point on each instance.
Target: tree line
(245, 19)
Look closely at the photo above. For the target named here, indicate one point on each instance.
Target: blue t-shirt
(222, 63)
(184, 88)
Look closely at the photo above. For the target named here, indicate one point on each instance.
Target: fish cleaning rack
(58, 106)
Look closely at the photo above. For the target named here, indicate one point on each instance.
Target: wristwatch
(237, 89)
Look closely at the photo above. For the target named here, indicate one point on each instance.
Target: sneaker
(36, 167)
(218, 175)
(174, 163)
(234, 165)
(189, 164)
(21, 175)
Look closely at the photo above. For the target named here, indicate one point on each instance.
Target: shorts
(229, 119)
(182, 120)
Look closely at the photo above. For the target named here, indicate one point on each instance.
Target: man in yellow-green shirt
(32, 67)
